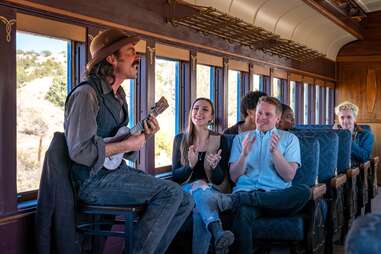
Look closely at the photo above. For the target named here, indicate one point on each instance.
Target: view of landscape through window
(233, 91)
(41, 93)
(165, 85)
(203, 81)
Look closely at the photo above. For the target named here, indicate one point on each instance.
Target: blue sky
(28, 42)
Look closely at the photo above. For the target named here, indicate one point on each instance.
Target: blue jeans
(167, 205)
(204, 213)
(273, 203)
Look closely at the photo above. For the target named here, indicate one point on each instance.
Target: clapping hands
(274, 142)
(213, 159)
(247, 143)
(192, 156)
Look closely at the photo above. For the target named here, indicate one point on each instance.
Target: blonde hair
(347, 105)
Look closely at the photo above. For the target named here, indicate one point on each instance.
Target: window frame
(180, 91)
(239, 78)
(74, 65)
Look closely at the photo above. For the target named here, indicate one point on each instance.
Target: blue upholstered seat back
(314, 126)
(344, 151)
(345, 148)
(329, 143)
(310, 150)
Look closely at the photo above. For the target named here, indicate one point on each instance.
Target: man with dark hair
(263, 163)
(95, 110)
(247, 108)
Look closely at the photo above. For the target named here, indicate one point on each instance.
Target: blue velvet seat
(329, 150)
(306, 229)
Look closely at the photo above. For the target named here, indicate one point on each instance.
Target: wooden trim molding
(319, 82)
(277, 73)
(336, 17)
(308, 80)
(172, 52)
(50, 27)
(376, 58)
(330, 84)
(261, 70)
(8, 27)
(238, 65)
(15, 217)
(295, 77)
(207, 59)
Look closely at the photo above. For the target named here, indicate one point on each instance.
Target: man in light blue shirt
(263, 163)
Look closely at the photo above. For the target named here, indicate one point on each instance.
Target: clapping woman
(198, 164)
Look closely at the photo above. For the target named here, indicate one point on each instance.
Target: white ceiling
(370, 5)
(290, 19)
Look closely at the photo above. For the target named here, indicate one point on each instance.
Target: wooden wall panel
(359, 77)
(355, 85)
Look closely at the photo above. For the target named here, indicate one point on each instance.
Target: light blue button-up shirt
(260, 172)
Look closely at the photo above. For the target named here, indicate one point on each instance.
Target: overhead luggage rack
(211, 21)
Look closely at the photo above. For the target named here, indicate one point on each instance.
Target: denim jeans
(167, 205)
(273, 203)
(204, 213)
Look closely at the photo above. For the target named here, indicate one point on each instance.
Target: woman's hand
(192, 156)
(213, 159)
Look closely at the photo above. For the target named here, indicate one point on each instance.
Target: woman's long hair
(189, 133)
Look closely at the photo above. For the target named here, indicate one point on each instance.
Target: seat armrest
(338, 181)
(353, 172)
(318, 191)
(365, 166)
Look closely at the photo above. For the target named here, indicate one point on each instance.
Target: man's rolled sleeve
(292, 151)
(85, 147)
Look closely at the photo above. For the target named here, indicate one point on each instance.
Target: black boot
(222, 238)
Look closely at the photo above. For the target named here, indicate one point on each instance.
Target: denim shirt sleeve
(84, 146)
(180, 173)
(362, 150)
(292, 149)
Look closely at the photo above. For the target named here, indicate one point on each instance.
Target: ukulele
(113, 161)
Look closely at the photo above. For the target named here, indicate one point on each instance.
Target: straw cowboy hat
(107, 42)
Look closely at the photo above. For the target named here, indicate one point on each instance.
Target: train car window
(205, 81)
(166, 84)
(293, 95)
(317, 104)
(306, 106)
(233, 96)
(276, 90)
(327, 103)
(129, 88)
(42, 67)
(257, 86)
